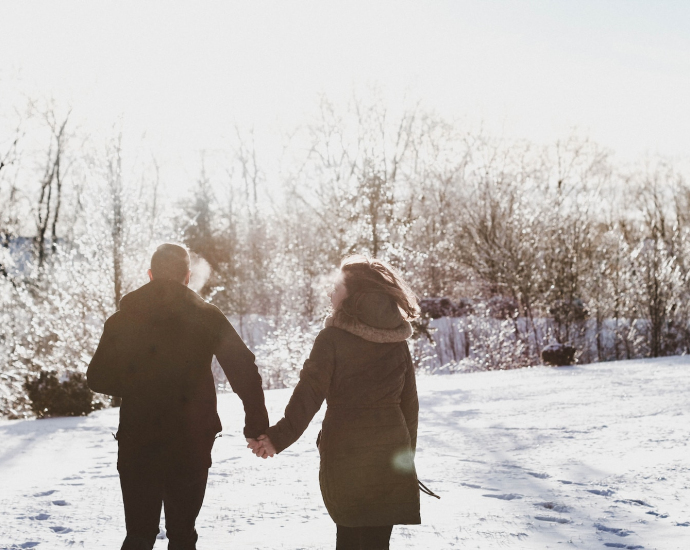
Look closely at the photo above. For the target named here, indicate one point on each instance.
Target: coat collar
(352, 325)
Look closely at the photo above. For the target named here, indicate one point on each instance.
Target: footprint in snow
(26, 545)
(614, 530)
(41, 517)
(61, 530)
(539, 475)
(684, 524)
(621, 545)
(552, 519)
(45, 493)
(553, 506)
(509, 496)
(634, 501)
(468, 412)
(657, 514)
(60, 503)
(601, 492)
(474, 486)
(471, 485)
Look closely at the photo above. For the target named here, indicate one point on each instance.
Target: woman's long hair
(362, 275)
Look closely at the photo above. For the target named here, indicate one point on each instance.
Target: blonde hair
(362, 275)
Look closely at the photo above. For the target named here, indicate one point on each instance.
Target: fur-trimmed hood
(376, 319)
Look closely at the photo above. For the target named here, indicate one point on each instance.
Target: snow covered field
(580, 457)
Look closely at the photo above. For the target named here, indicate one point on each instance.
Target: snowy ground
(579, 457)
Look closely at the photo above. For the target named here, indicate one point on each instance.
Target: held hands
(261, 446)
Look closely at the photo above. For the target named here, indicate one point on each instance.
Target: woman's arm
(409, 402)
(306, 400)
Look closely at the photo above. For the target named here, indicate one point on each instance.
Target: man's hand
(254, 445)
(267, 445)
(261, 446)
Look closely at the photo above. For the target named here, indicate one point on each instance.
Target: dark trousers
(363, 538)
(146, 485)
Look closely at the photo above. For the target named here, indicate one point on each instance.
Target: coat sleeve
(238, 364)
(409, 402)
(314, 381)
(103, 375)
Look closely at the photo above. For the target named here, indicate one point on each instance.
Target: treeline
(546, 243)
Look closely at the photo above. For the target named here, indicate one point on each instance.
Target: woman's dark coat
(362, 366)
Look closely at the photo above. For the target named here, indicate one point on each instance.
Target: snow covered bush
(281, 356)
(52, 318)
(474, 342)
(502, 307)
(497, 344)
(565, 311)
(68, 395)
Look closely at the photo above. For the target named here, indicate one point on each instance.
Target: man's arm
(103, 375)
(240, 368)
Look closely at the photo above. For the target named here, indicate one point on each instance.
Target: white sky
(185, 72)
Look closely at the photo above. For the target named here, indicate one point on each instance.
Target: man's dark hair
(170, 261)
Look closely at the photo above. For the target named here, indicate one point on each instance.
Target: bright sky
(186, 72)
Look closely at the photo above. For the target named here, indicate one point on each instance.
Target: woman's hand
(261, 446)
(266, 447)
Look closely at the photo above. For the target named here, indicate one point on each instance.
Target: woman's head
(360, 275)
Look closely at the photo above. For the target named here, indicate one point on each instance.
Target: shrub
(502, 307)
(496, 344)
(559, 355)
(436, 308)
(565, 311)
(66, 396)
(281, 356)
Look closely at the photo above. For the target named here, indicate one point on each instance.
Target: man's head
(170, 261)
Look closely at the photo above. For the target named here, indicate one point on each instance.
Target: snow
(586, 457)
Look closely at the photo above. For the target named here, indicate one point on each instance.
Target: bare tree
(245, 154)
(116, 217)
(9, 216)
(50, 197)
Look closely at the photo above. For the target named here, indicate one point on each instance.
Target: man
(155, 353)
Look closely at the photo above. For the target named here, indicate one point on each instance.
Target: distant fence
(450, 344)
(481, 343)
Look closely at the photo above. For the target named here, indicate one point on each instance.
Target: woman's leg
(347, 538)
(375, 538)
(363, 538)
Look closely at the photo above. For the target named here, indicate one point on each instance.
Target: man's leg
(142, 495)
(184, 495)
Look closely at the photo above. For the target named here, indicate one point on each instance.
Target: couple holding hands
(156, 352)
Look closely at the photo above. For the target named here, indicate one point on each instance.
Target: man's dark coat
(362, 367)
(156, 353)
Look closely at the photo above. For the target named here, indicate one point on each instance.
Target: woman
(361, 365)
